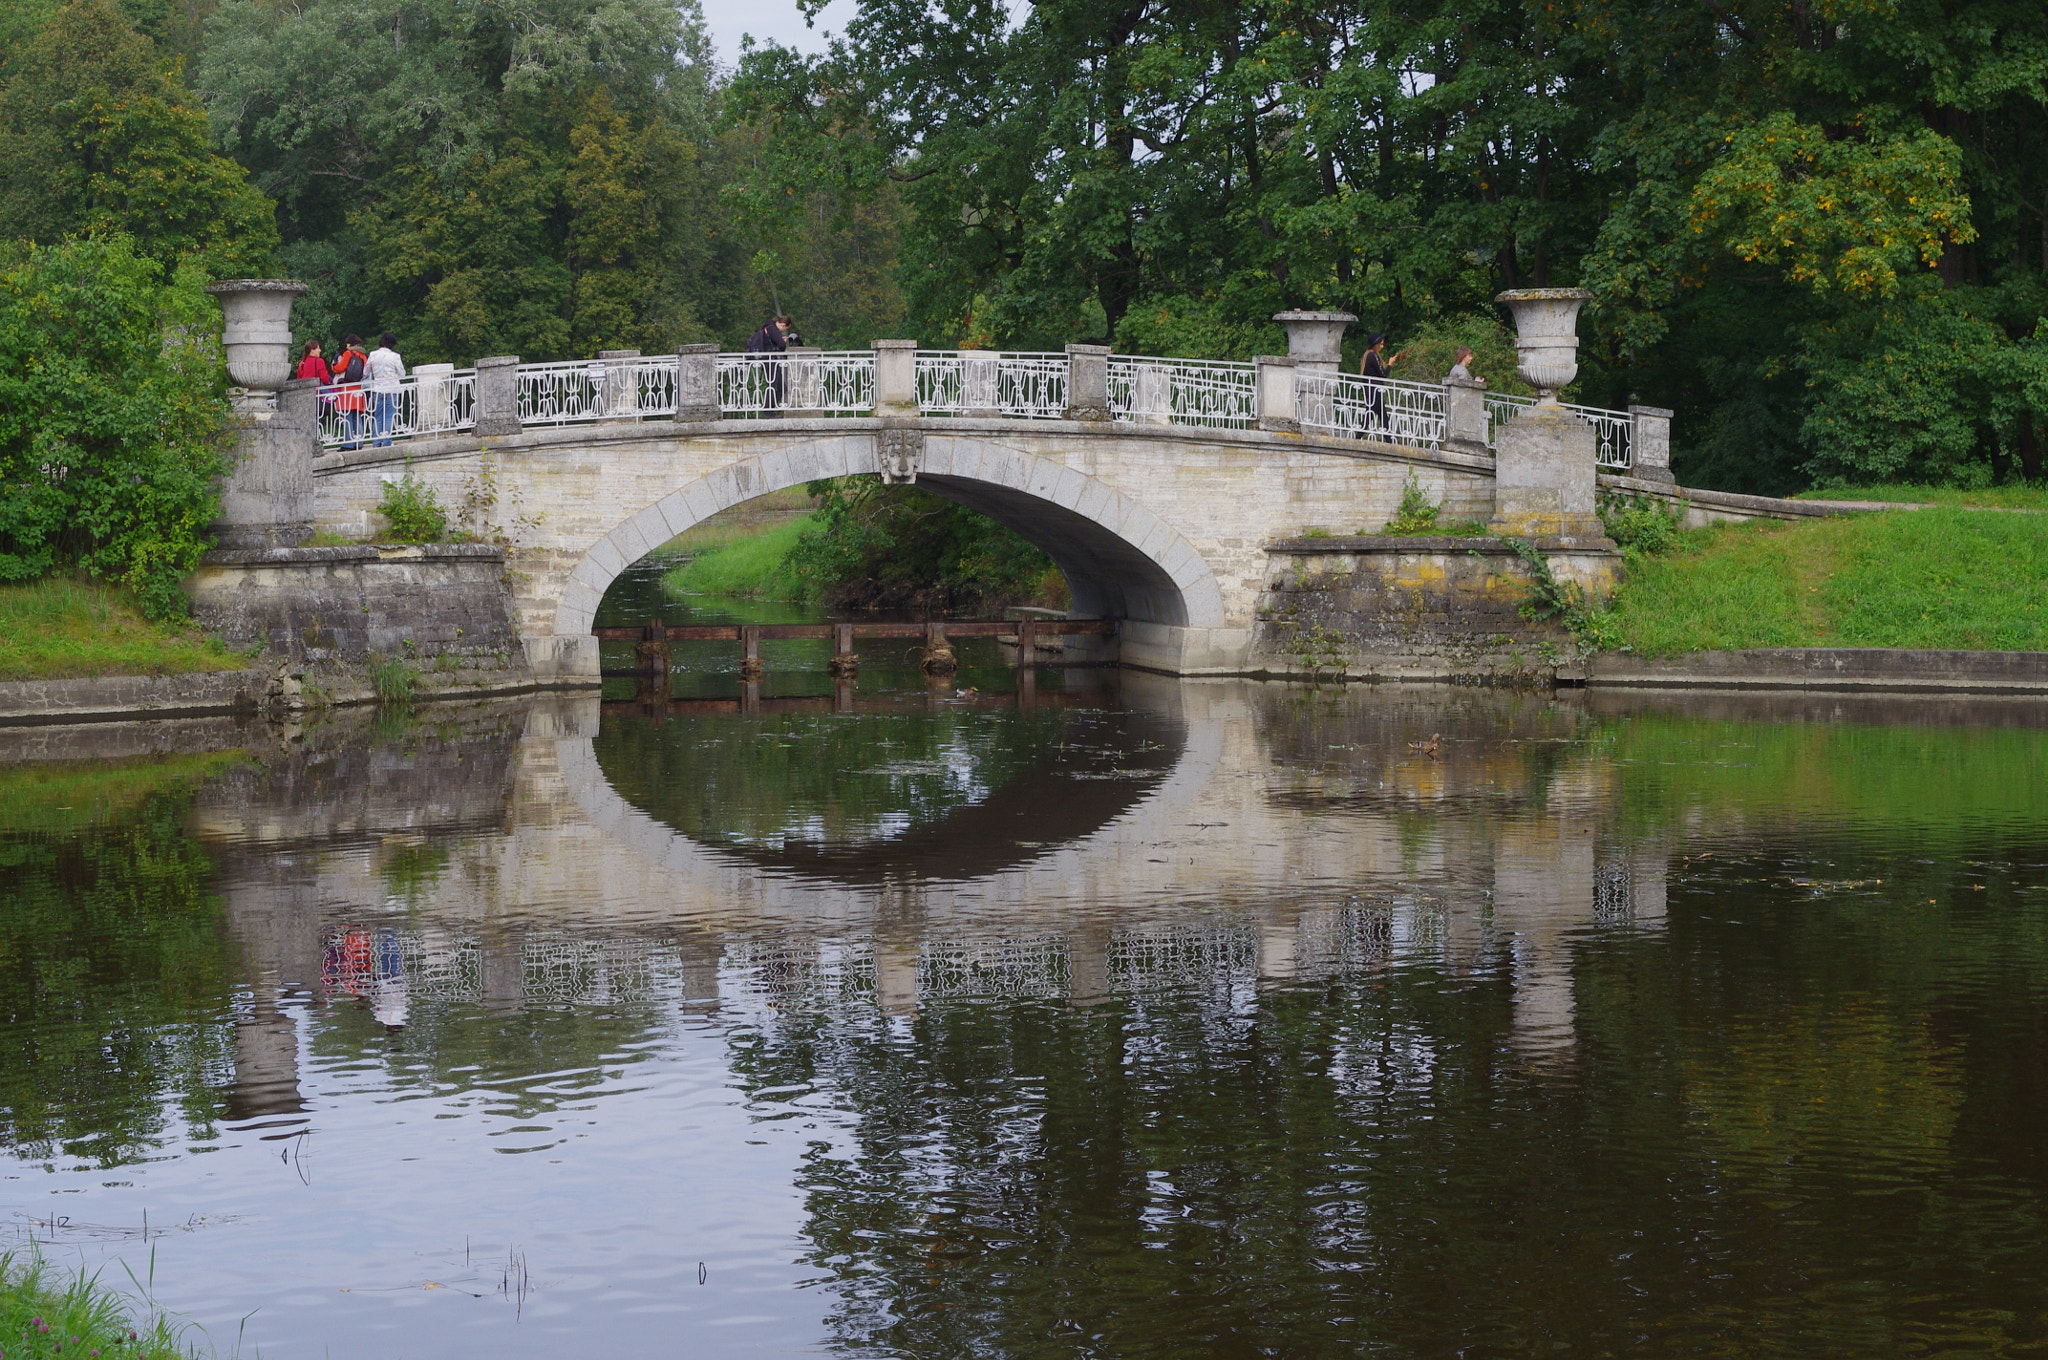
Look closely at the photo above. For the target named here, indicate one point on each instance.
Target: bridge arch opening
(1121, 561)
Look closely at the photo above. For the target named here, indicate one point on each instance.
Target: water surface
(1115, 1016)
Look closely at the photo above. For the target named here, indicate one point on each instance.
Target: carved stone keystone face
(258, 329)
(1546, 335)
(899, 452)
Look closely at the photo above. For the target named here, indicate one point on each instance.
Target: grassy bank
(2013, 496)
(62, 627)
(1946, 578)
(48, 1313)
(750, 566)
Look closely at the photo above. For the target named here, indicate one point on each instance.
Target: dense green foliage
(902, 548)
(544, 180)
(98, 135)
(1923, 578)
(113, 416)
(1641, 525)
(1816, 231)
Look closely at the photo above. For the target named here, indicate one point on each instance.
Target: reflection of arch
(1156, 812)
(1093, 787)
(1120, 559)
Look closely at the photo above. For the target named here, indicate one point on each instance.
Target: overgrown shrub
(114, 421)
(413, 510)
(1642, 525)
(875, 546)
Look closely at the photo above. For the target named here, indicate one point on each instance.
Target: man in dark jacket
(762, 346)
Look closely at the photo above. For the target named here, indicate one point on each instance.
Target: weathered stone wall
(1414, 608)
(355, 604)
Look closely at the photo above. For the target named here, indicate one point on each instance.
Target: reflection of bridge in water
(1272, 838)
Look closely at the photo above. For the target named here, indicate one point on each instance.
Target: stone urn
(1315, 340)
(258, 333)
(1546, 335)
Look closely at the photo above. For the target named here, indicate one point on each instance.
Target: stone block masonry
(355, 605)
(1420, 608)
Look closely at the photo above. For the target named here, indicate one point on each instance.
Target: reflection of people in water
(362, 964)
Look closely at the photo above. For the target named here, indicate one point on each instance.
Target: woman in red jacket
(313, 366)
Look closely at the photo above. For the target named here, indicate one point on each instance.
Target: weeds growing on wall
(1564, 601)
(413, 511)
(1642, 526)
(1418, 515)
(394, 680)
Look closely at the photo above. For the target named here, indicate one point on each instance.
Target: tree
(113, 416)
(97, 135)
(524, 179)
(1746, 186)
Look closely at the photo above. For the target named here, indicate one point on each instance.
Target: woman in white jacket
(383, 374)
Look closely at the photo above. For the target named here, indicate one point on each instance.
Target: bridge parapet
(698, 384)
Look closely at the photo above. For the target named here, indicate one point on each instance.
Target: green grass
(64, 626)
(43, 1314)
(2014, 496)
(749, 567)
(1925, 578)
(740, 522)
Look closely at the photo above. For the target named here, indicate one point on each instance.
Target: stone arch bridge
(1180, 498)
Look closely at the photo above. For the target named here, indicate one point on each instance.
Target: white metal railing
(1610, 428)
(596, 389)
(1012, 385)
(1370, 408)
(1215, 395)
(836, 382)
(1017, 385)
(352, 416)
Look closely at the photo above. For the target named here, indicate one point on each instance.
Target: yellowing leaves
(1843, 214)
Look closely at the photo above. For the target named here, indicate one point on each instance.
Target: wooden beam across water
(734, 632)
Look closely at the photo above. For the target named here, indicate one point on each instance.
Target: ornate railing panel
(834, 383)
(1370, 408)
(1220, 395)
(353, 416)
(1032, 386)
(1015, 385)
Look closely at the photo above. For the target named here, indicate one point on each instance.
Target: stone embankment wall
(358, 603)
(1421, 608)
(322, 617)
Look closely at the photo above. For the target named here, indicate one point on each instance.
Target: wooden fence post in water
(938, 654)
(1027, 643)
(844, 664)
(750, 653)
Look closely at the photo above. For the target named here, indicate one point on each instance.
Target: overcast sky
(769, 19)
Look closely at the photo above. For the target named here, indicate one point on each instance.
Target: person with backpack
(384, 375)
(348, 391)
(765, 346)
